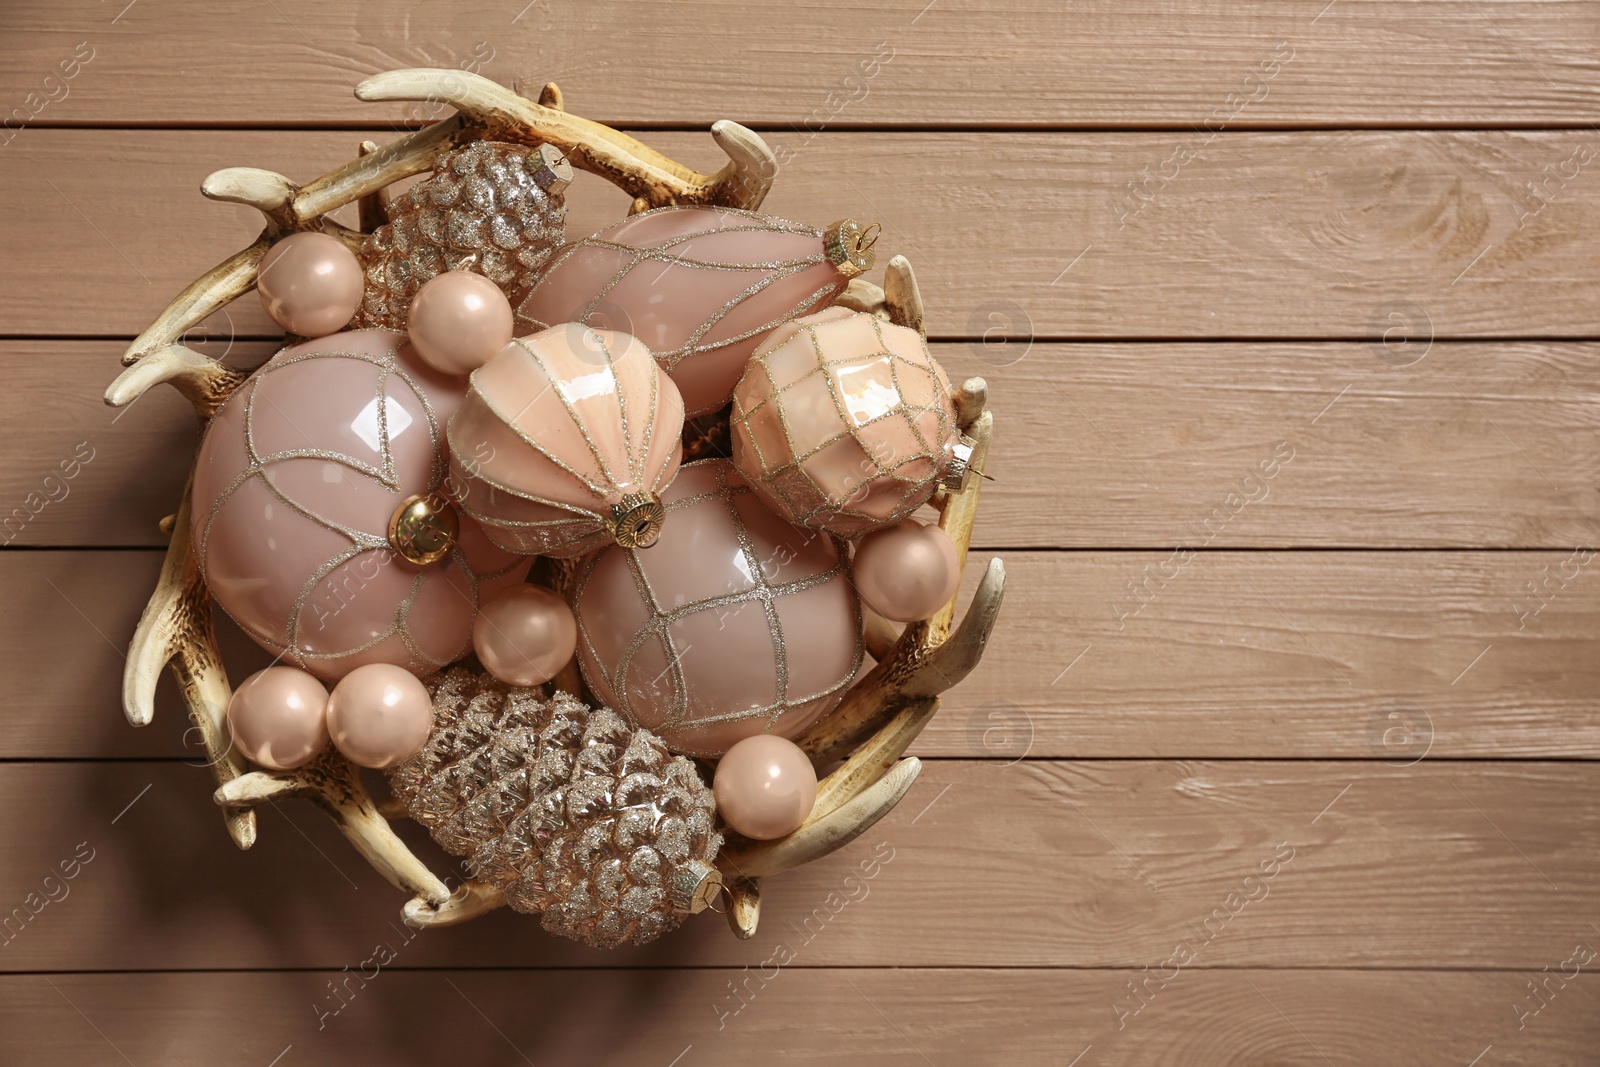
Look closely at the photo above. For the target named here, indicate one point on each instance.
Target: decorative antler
(630, 165)
(878, 718)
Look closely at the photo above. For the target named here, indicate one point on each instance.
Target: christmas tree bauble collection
(467, 393)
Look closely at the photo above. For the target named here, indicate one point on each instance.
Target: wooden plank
(1239, 654)
(900, 1016)
(1354, 235)
(825, 64)
(1125, 445)
(1044, 863)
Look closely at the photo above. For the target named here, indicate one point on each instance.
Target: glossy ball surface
(379, 715)
(310, 284)
(907, 572)
(765, 787)
(525, 635)
(278, 718)
(459, 321)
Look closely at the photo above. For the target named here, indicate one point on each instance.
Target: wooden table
(1283, 751)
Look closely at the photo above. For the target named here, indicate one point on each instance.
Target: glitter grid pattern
(555, 526)
(873, 465)
(766, 275)
(484, 210)
(679, 715)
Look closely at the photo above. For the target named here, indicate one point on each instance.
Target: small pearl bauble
(459, 321)
(907, 572)
(525, 635)
(765, 787)
(310, 284)
(379, 715)
(279, 718)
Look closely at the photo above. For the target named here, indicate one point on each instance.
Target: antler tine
(176, 628)
(901, 297)
(332, 783)
(752, 166)
(267, 191)
(198, 377)
(473, 899)
(632, 166)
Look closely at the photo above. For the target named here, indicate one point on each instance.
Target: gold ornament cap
(954, 478)
(694, 885)
(549, 168)
(636, 520)
(849, 247)
(423, 530)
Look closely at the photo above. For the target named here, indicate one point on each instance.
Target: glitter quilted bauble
(298, 479)
(701, 286)
(844, 423)
(495, 209)
(734, 624)
(574, 814)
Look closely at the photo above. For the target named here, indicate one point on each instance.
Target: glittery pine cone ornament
(495, 209)
(573, 813)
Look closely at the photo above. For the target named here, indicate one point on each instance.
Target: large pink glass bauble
(735, 624)
(565, 441)
(310, 284)
(701, 286)
(298, 476)
(843, 422)
(765, 787)
(908, 571)
(278, 718)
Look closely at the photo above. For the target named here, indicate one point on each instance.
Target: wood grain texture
(1062, 864)
(1099, 445)
(1355, 235)
(1016, 62)
(1384, 656)
(1305, 1018)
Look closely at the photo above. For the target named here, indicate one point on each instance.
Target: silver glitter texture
(495, 209)
(574, 814)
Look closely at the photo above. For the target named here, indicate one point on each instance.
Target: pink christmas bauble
(379, 715)
(907, 572)
(843, 422)
(298, 477)
(734, 624)
(525, 635)
(459, 321)
(278, 718)
(565, 441)
(765, 787)
(701, 286)
(310, 284)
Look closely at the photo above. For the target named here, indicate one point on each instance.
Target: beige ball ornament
(765, 787)
(379, 715)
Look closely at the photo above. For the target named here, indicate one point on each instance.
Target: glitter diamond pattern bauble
(495, 209)
(298, 477)
(734, 624)
(574, 814)
(843, 422)
(700, 286)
